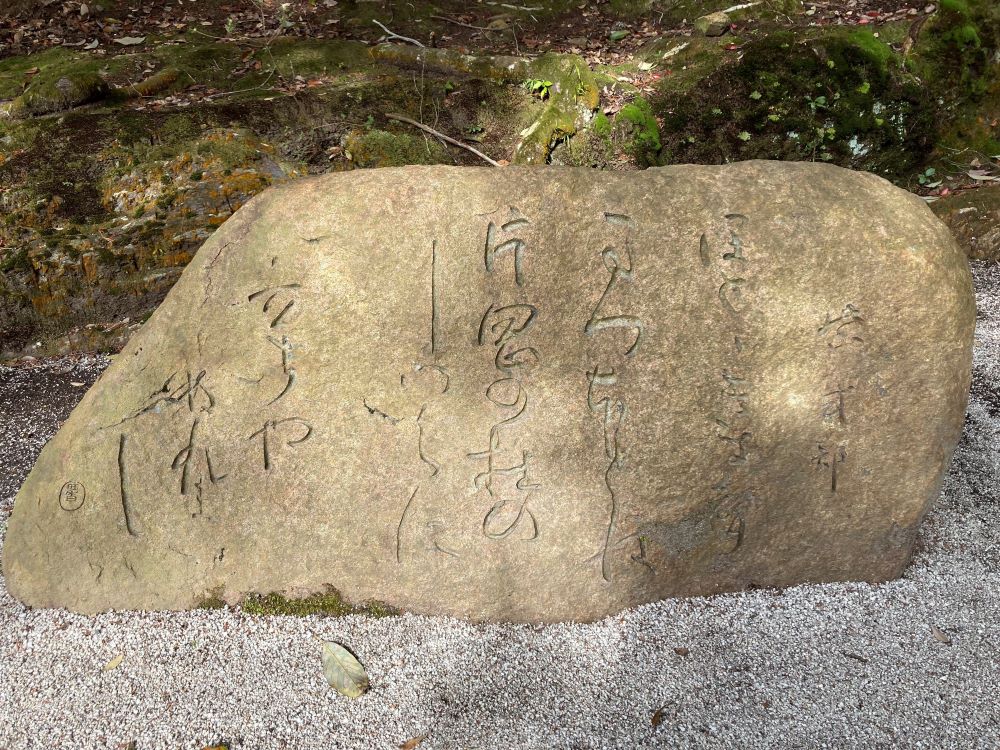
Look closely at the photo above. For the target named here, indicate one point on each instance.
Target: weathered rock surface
(713, 24)
(518, 394)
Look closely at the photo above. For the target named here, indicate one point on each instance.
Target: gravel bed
(914, 663)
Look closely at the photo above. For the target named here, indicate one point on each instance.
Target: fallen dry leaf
(940, 635)
(413, 742)
(115, 662)
(343, 671)
(675, 50)
(982, 175)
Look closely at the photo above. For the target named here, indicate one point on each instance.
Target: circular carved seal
(72, 495)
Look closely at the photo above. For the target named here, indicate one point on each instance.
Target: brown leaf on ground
(413, 742)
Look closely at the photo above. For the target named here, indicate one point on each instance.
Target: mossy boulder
(566, 104)
(58, 94)
(838, 96)
(712, 24)
(631, 140)
(381, 148)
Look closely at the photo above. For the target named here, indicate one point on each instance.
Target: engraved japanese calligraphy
(605, 397)
(727, 255)
(430, 382)
(512, 394)
(841, 337)
(72, 496)
(505, 330)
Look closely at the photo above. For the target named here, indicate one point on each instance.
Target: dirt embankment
(130, 131)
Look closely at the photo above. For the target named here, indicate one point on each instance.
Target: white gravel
(833, 666)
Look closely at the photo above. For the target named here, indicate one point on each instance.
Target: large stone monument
(518, 394)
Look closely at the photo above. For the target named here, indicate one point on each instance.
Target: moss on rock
(49, 95)
(954, 46)
(564, 107)
(641, 132)
(838, 96)
(381, 148)
(311, 57)
(956, 58)
(330, 603)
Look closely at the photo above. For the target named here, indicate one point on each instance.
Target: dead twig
(913, 34)
(461, 23)
(393, 35)
(443, 137)
(241, 91)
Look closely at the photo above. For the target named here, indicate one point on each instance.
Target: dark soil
(30, 25)
(35, 399)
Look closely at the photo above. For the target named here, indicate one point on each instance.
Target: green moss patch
(381, 148)
(959, 44)
(329, 603)
(955, 57)
(839, 96)
(18, 73)
(55, 166)
(65, 92)
(642, 132)
(301, 57)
